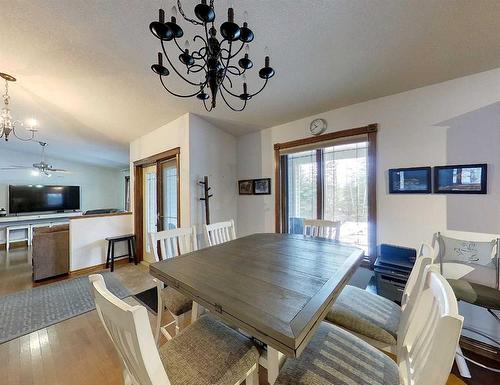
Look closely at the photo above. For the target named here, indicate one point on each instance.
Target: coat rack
(207, 196)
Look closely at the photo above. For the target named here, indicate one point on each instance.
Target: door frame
(279, 194)
(138, 165)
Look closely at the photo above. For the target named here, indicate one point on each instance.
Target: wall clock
(318, 126)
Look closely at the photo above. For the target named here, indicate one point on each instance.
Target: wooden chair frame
(220, 232)
(173, 243)
(322, 228)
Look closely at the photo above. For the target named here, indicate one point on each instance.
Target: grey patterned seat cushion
(336, 357)
(367, 314)
(208, 352)
(175, 302)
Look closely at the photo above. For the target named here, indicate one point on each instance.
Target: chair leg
(129, 246)
(462, 364)
(134, 251)
(108, 254)
(112, 256)
(7, 239)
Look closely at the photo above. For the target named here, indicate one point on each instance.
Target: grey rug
(30, 310)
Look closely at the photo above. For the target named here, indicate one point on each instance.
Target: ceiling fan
(40, 168)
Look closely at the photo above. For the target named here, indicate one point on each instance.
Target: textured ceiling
(83, 66)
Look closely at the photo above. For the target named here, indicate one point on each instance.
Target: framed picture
(461, 179)
(245, 187)
(414, 180)
(262, 186)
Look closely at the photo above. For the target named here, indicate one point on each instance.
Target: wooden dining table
(276, 288)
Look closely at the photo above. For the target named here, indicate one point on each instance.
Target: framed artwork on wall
(245, 187)
(413, 180)
(461, 179)
(262, 186)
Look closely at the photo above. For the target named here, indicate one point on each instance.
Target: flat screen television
(38, 198)
(414, 180)
(461, 179)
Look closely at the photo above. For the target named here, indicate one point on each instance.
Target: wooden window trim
(371, 132)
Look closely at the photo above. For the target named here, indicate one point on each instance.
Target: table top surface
(276, 287)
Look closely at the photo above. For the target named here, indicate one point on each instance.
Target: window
(329, 177)
(337, 193)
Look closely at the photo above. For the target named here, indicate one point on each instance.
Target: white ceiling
(83, 66)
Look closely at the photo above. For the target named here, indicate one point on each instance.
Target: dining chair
(220, 232)
(322, 229)
(374, 318)
(172, 243)
(424, 352)
(471, 264)
(206, 352)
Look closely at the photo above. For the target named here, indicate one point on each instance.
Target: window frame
(280, 168)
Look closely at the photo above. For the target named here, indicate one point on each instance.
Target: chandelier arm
(179, 6)
(239, 73)
(24, 139)
(198, 68)
(206, 108)
(180, 96)
(229, 92)
(175, 69)
(206, 35)
(262, 89)
(227, 64)
(235, 54)
(231, 107)
(230, 81)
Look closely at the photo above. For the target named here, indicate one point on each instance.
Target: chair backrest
(472, 257)
(173, 242)
(427, 349)
(220, 232)
(130, 331)
(322, 229)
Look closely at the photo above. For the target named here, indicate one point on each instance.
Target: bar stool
(10, 229)
(110, 259)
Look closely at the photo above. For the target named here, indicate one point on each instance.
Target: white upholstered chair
(322, 228)
(206, 352)
(425, 349)
(374, 318)
(220, 232)
(172, 243)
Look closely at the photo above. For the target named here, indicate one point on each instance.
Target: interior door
(150, 211)
(168, 210)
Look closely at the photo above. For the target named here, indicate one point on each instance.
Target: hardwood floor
(78, 351)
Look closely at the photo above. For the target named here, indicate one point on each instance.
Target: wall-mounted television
(414, 180)
(39, 198)
(461, 179)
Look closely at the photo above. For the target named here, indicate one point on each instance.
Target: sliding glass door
(329, 183)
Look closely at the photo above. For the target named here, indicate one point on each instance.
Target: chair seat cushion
(334, 357)
(476, 294)
(367, 314)
(208, 352)
(175, 302)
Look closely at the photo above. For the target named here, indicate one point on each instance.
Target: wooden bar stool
(132, 256)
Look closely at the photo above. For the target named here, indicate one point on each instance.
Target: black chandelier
(214, 57)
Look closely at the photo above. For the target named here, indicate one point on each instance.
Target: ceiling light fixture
(213, 59)
(7, 124)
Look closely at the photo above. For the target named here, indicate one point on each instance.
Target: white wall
(452, 122)
(100, 187)
(169, 136)
(87, 243)
(205, 150)
(212, 153)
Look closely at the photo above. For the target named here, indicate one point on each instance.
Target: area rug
(33, 309)
(149, 298)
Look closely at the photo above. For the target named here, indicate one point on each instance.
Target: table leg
(195, 312)
(274, 361)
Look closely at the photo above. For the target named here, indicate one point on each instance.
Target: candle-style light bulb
(245, 16)
(247, 49)
(174, 11)
(186, 45)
